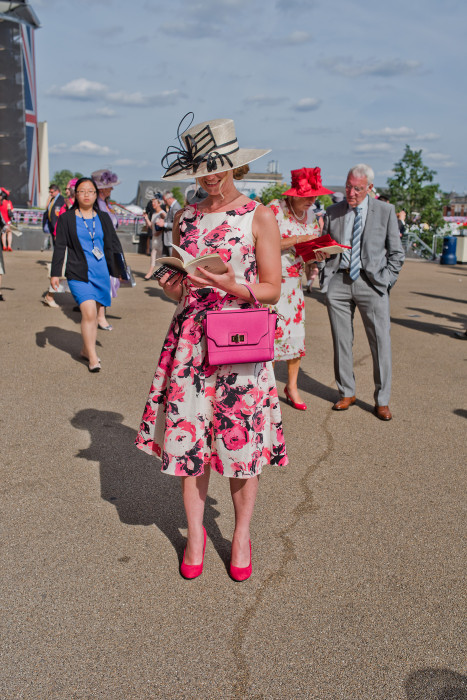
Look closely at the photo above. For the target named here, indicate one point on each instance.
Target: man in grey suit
(362, 277)
(167, 224)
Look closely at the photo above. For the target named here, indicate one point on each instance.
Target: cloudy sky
(320, 83)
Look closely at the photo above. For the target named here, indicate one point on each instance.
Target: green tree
(62, 177)
(326, 200)
(273, 191)
(177, 193)
(412, 189)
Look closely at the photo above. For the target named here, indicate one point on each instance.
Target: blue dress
(98, 285)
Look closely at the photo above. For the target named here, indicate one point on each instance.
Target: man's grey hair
(168, 193)
(363, 170)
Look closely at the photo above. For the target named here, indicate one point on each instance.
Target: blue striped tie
(355, 252)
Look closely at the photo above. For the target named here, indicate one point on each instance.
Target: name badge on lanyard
(97, 252)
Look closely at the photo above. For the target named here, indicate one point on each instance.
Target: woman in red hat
(296, 225)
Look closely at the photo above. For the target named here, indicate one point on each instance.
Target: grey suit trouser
(342, 297)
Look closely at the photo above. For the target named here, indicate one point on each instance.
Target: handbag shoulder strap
(232, 296)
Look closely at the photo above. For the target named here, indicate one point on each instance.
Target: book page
(186, 257)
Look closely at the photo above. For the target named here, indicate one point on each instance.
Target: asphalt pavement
(358, 587)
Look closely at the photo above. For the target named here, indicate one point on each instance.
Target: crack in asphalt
(241, 629)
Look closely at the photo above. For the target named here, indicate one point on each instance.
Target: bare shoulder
(264, 216)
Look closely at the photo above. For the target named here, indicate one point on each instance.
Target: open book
(188, 264)
(325, 243)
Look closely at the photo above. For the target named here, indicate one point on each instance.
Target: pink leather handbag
(237, 336)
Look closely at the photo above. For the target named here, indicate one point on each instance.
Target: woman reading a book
(200, 417)
(296, 225)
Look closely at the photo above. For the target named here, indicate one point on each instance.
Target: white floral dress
(200, 416)
(290, 332)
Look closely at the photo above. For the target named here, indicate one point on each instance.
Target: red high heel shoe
(241, 573)
(298, 406)
(193, 570)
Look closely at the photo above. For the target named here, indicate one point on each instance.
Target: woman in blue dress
(93, 251)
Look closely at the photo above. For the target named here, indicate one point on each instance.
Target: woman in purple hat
(296, 226)
(105, 181)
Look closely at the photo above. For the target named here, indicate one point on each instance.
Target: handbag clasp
(237, 338)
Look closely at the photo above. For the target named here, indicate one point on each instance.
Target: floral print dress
(290, 332)
(200, 416)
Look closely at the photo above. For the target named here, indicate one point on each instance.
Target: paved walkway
(358, 586)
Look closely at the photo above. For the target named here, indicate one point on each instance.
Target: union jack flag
(30, 103)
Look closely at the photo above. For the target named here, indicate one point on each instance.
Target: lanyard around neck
(87, 227)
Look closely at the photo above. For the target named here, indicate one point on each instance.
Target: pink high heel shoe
(193, 570)
(241, 573)
(298, 406)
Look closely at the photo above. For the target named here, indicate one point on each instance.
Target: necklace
(299, 218)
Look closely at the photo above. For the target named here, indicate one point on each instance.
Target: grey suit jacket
(381, 250)
(169, 222)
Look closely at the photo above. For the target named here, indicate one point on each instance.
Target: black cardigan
(76, 265)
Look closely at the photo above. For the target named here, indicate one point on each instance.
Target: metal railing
(33, 218)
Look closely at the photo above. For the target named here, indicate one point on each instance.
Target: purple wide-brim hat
(105, 179)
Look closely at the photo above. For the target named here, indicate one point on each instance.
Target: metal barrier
(424, 250)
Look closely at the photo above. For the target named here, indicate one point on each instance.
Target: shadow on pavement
(132, 481)
(436, 684)
(315, 388)
(439, 296)
(62, 339)
(423, 326)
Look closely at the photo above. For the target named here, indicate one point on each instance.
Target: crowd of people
(201, 417)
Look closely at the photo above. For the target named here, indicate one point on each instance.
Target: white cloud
(307, 104)
(58, 148)
(106, 112)
(389, 68)
(92, 149)
(264, 100)
(428, 137)
(130, 163)
(377, 147)
(87, 90)
(397, 133)
(442, 160)
(79, 89)
(139, 99)
(298, 37)
(294, 6)
(83, 147)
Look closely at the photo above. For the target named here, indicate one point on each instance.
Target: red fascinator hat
(306, 182)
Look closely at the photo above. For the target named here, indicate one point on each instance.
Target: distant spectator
(401, 216)
(157, 233)
(55, 202)
(2, 266)
(172, 207)
(337, 197)
(195, 194)
(105, 181)
(6, 212)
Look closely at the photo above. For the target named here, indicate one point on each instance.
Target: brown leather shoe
(344, 403)
(383, 412)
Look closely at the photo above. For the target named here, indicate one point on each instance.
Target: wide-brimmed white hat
(105, 179)
(208, 147)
